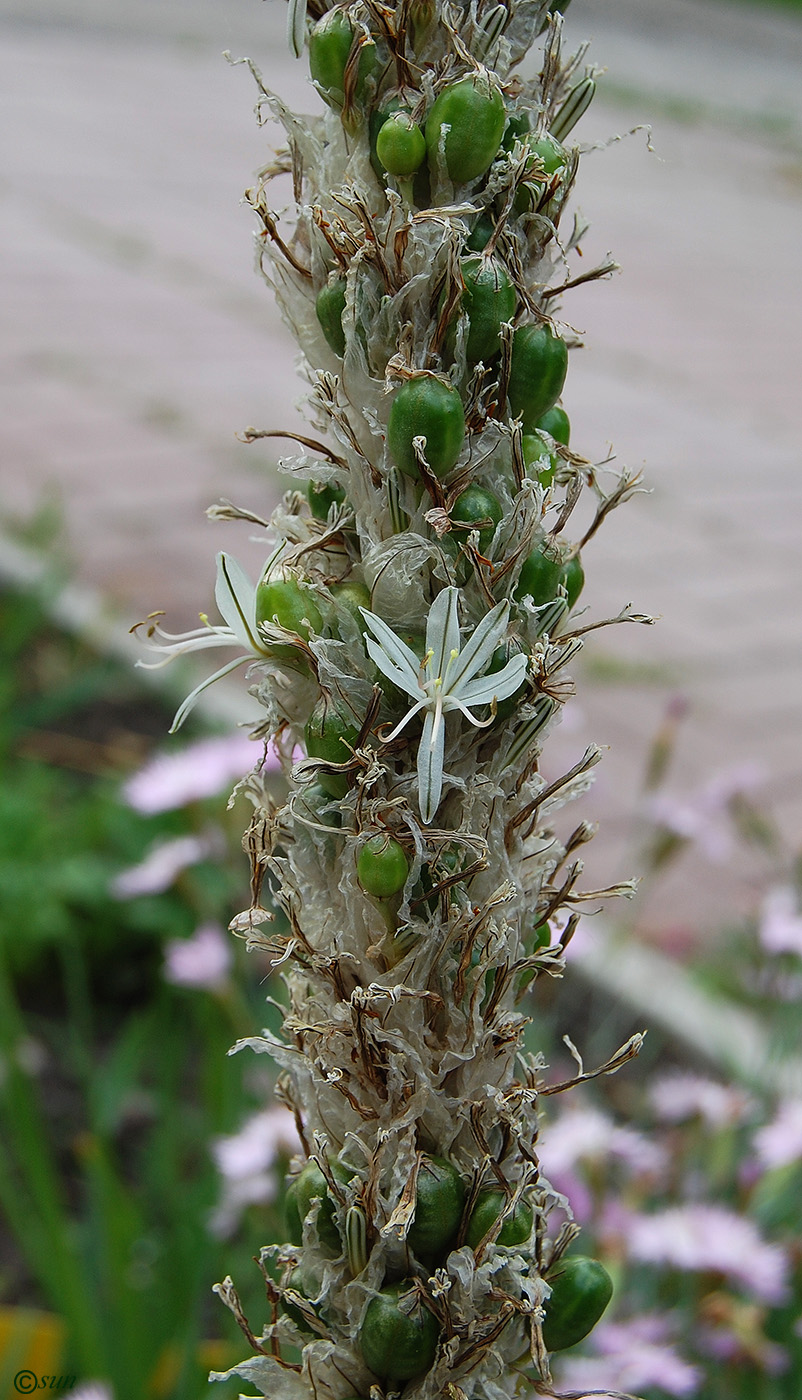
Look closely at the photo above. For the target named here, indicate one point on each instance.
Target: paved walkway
(135, 341)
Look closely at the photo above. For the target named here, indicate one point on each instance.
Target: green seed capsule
(293, 606)
(540, 456)
(581, 1288)
(439, 1203)
(489, 299)
(475, 115)
(382, 866)
(322, 495)
(307, 1187)
(540, 578)
(398, 1337)
(573, 579)
(400, 145)
(352, 595)
(376, 120)
(474, 505)
(329, 308)
(554, 160)
(552, 154)
(330, 45)
(516, 129)
(426, 407)
(328, 734)
(537, 373)
(481, 233)
(516, 1228)
(555, 421)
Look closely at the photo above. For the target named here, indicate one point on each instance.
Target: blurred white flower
(710, 1238)
(583, 1134)
(677, 1097)
(246, 1160)
(203, 769)
(704, 816)
(163, 864)
(92, 1390)
(203, 960)
(632, 1356)
(780, 1141)
(780, 927)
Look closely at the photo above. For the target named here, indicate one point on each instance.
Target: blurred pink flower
(703, 816)
(632, 1356)
(780, 1141)
(677, 1097)
(582, 1133)
(245, 1161)
(162, 865)
(203, 960)
(780, 927)
(710, 1238)
(203, 769)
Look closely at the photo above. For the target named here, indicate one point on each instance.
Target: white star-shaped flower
(447, 677)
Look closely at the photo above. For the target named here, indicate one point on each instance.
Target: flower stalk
(412, 628)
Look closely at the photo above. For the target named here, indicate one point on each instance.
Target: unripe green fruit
(516, 129)
(581, 1288)
(537, 373)
(481, 233)
(439, 1202)
(328, 734)
(329, 48)
(516, 1228)
(475, 114)
(552, 154)
(400, 145)
(398, 1344)
(573, 579)
(554, 160)
(329, 308)
(473, 505)
(352, 595)
(382, 866)
(426, 407)
(376, 120)
(555, 421)
(321, 495)
(293, 606)
(308, 1186)
(489, 299)
(540, 578)
(539, 455)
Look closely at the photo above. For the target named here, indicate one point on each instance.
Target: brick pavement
(135, 341)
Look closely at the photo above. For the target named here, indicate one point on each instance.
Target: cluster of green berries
(399, 1335)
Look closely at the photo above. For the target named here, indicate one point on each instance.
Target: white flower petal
(479, 648)
(430, 765)
(235, 597)
(192, 699)
(388, 668)
(398, 651)
(442, 630)
(503, 683)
